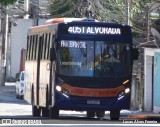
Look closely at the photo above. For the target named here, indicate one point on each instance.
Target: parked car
(20, 85)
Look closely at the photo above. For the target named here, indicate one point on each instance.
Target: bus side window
(33, 47)
(53, 41)
(45, 46)
(27, 47)
(35, 50)
(30, 46)
(48, 45)
(38, 44)
(124, 53)
(41, 50)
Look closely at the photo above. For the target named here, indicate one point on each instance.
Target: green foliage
(17, 75)
(60, 7)
(110, 11)
(7, 2)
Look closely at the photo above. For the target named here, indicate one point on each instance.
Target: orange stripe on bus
(57, 20)
(38, 29)
(90, 92)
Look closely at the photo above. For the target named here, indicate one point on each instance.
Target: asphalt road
(18, 111)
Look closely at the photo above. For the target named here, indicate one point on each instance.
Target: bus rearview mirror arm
(52, 54)
(135, 53)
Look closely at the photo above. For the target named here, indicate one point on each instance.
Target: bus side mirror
(135, 53)
(52, 54)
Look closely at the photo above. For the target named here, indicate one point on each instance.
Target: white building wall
(18, 40)
(148, 83)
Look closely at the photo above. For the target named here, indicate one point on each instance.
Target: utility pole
(1, 39)
(2, 48)
(148, 24)
(26, 8)
(35, 12)
(127, 8)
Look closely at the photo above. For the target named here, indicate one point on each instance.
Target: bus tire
(90, 114)
(100, 114)
(45, 112)
(53, 113)
(35, 110)
(114, 114)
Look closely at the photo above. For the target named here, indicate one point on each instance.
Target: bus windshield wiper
(82, 49)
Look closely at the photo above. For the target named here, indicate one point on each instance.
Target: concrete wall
(18, 40)
(151, 79)
(148, 83)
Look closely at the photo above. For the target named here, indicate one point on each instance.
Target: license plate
(93, 102)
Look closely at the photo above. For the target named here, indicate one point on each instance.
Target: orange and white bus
(79, 64)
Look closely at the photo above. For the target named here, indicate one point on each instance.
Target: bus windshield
(98, 59)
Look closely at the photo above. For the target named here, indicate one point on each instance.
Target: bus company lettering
(94, 30)
(73, 44)
(70, 63)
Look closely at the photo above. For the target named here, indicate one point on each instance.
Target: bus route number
(94, 30)
(75, 30)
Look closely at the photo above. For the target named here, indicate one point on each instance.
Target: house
(152, 74)
(16, 42)
(14, 35)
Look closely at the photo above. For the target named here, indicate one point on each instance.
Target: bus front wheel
(100, 114)
(45, 112)
(36, 111)
(114, 114)
(53, 113)
(90, 114)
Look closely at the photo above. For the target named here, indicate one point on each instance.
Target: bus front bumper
(84, 103)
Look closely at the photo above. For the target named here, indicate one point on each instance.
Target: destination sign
(94, 30)
(73, 44)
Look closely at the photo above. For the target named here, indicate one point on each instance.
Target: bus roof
(60, 20)
(53, 23)
(42, 28)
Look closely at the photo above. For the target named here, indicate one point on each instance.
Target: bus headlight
(59, 88)
(127, 90)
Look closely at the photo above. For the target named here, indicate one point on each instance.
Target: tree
(61, 8)
(7, 2)
(3, 4)
(142, 16)
(112, 11)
